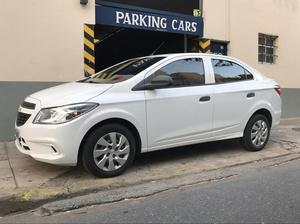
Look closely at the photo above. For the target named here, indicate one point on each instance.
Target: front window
(123, 71)
(184, 72)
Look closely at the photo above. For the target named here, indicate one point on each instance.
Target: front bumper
(54, 144)
(44, 152)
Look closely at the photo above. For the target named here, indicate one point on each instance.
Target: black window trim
(230, 60)
(138, 86)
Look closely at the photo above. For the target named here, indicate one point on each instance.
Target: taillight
(278, 90)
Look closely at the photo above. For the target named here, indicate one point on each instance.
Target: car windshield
(123, 71)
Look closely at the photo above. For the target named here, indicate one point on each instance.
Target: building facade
(45, 43)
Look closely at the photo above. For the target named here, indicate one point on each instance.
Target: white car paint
(69, 93)
(164, 118)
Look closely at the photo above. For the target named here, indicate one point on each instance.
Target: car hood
(70, 93)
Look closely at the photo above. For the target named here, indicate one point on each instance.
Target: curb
(138, 191)
(155, 187)
(62, 200)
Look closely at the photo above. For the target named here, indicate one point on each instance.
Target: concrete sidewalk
(23, 179)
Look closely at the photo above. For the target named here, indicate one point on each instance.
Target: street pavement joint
(10, 165)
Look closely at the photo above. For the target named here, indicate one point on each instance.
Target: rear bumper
(276, 119)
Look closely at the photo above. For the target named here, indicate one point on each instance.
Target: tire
(256, 133)
(112, 156)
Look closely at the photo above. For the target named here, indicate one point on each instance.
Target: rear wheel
(108, 150)
(256, 133)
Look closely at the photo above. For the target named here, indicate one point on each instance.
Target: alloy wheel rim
(259, 133)
(111, 151)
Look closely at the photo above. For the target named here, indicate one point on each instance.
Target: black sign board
(121, 15)
(177, 6)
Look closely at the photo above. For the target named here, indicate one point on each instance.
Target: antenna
(158, 48)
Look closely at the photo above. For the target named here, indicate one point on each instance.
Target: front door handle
(250, 95)
(204, 99)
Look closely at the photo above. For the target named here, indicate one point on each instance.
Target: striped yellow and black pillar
(89, 50)
(204, 46)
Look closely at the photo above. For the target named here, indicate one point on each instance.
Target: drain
(296, 129)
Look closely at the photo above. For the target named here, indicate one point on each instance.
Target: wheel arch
(263, 111)
(121, 121)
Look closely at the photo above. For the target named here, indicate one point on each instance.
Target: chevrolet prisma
(146, 104)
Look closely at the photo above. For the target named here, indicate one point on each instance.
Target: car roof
(248, 67)
(192, 55)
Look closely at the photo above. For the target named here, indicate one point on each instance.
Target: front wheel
(108, 150)
(256, 133)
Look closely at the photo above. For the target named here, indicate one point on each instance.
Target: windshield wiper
(87, 81)
(83, 80)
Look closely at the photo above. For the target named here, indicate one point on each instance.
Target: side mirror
(160, 81)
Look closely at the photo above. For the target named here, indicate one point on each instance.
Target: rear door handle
(204, 99)
(250, 95)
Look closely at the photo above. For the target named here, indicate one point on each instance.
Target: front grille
(22, 118)
(27, 105)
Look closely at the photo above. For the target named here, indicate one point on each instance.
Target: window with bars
(267, 48)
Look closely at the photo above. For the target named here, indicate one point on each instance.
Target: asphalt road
(269, 195)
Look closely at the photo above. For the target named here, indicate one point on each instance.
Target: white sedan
(146, 104)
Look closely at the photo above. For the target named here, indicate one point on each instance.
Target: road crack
(287, 144)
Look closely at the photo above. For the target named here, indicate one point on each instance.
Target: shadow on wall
(12, 95)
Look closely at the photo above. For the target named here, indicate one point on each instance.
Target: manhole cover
(296, 129)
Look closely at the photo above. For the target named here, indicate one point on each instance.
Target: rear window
(228, 71)
(123, 71)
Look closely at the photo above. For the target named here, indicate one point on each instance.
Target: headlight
(63, 114)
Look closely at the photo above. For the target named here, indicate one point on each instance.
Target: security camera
(84, 2)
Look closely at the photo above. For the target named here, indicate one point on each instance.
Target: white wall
(240, 21)
(42, 40)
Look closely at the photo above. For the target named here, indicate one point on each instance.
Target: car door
(181, 113)
(234, 96)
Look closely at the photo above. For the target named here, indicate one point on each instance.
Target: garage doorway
(113, 44)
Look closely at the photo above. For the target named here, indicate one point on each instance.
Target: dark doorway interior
(219, 47)
(116, 44)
